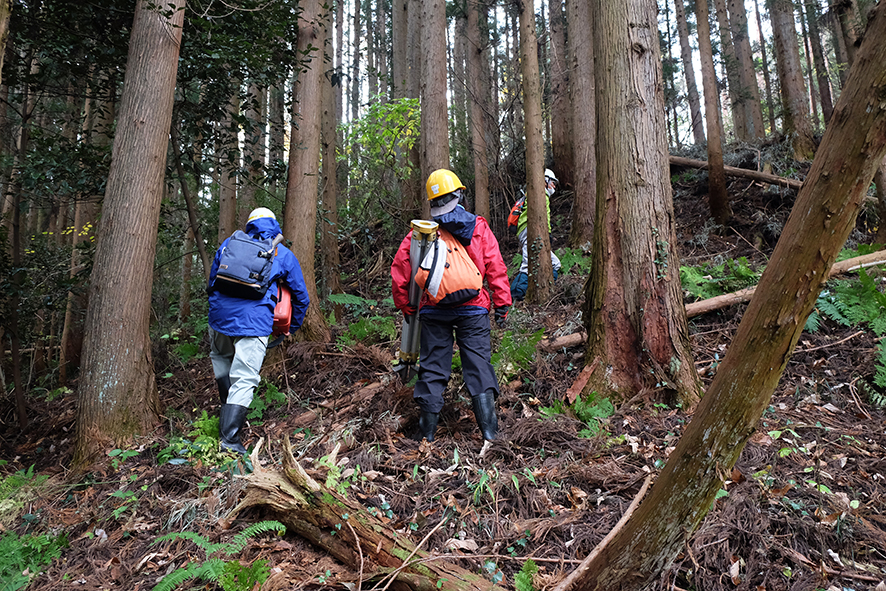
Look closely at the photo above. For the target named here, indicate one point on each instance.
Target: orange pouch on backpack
(516, 211)
(448, 274)
(282, 311)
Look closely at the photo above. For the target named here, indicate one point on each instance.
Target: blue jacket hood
(263, 227)
(460, 223)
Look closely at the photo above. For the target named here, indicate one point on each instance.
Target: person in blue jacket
(239, 329)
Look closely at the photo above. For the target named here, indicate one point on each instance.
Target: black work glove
(501, 315)
(512, 230)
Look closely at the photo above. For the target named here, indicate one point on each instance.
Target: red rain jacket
(485, 253)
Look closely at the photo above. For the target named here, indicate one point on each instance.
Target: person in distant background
(520, 282)
(469, 321)
(239, 329)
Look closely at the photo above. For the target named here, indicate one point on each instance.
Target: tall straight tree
(562, 126)
(638, 336)
(718, 200)
(797, 123)
(584, 120)
(689, 73)
(813, 15)
(749, 92)
(770, 104)
(5, 12)
(300, 209)
(228, 164)
(541, 271)
(730, 64)
(329, 253)
(822, 217)
(434, 115)
(479, 104)
(118, 392)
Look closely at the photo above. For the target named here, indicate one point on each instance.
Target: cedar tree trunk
(118, 392)
(300, 209)
(823, 215)
(637, 331)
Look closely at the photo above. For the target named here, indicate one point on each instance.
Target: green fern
(523, 579)
(230, 574)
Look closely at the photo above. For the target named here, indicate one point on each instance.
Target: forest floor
(804, 508)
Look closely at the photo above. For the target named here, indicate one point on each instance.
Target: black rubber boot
(484, 411)
(427, 425)
(230, 421)
(224, 386)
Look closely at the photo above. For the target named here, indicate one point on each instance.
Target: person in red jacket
(468, 322)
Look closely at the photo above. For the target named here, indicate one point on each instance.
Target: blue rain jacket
(237, 317)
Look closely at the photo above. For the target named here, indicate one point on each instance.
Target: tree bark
(813, 14)
(561, 116)
(228, 165)
(118, 392)
(355, 65)
(541, 271)
(633, 307)
(823, 215)
(730, 64)
(797, 124)
(689, 74)
(5, 13)
(363, 541)
(434, 113)
(770, 104)
(810, 74)
(718, 200)
(584, 119)
(300, 208)
(747, 76)
(477, 97)
(329, 254)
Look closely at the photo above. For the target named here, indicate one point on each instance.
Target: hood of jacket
(460, 223)
(263, 228)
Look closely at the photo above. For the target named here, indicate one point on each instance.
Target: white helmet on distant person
(550, 177)
(260, 212)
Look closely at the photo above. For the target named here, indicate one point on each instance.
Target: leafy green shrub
(523, 579)
(369, 330)
(26, 554)
(574, 261)
(589, 411)
(709, 280)
(266, 395)
(230, 574)
(515, 353)
(201, 445)
(354, 304)
(15, 490)
(855, 302)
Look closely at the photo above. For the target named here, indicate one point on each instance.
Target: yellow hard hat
(442, 182)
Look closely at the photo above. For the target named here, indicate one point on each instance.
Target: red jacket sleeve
(496, 272)
(401, 270)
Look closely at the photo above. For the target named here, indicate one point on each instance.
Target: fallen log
(740, 172)
(744, 295)
(359, 537)
(569, 340)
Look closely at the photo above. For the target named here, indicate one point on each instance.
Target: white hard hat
(261, 212)
(549, 174)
